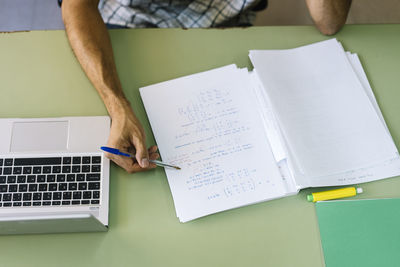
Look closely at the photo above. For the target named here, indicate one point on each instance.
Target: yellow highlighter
(334, 194)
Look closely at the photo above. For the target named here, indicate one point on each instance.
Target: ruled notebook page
(324, 113)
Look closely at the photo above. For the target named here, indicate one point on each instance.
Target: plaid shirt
(179, 13)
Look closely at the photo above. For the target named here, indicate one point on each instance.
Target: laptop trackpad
(39, 136)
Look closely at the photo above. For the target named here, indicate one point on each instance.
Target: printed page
(322, 108)
(208, 125)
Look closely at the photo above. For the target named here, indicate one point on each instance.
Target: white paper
(208, 125)
(356, 64)
(270, 123)
(325, 115)
(385, 169)
(216, 125)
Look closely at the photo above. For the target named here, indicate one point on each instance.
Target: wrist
(118, 106)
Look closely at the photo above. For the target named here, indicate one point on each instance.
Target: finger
(137, 168)
(123, 162)
(152, 166)
(152, 149)
(141, 155)
(154, 156)
(130, 165)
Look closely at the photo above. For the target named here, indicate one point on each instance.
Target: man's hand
(91, 44)
(329, 15)
(127, 135)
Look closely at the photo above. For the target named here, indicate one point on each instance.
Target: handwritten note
(213, 131)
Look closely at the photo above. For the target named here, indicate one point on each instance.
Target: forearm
(329, 15)
(91, 44)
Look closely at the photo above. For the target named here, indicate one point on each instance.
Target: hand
(127, 135)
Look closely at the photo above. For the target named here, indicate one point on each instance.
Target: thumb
(141, 155)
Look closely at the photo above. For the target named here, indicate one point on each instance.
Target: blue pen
(117, 152)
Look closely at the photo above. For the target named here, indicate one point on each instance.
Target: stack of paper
(330, 122)
(305, 117)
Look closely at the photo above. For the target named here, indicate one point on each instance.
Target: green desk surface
(40, 77)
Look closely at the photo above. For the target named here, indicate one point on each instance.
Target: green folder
(360, 232)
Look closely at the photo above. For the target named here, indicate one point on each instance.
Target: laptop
(53, 176)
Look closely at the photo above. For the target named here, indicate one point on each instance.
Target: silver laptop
(53, 176)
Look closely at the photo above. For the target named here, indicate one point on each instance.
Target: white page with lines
(208, 125)
(324, 113)
(385, 169)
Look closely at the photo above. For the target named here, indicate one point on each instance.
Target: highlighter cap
(310, 198)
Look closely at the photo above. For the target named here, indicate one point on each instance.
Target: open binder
(304, 117)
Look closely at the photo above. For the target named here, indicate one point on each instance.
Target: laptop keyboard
(50, 181)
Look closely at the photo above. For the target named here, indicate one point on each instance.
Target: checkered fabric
(178, 13)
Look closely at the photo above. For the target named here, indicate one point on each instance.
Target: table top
(40, 77)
